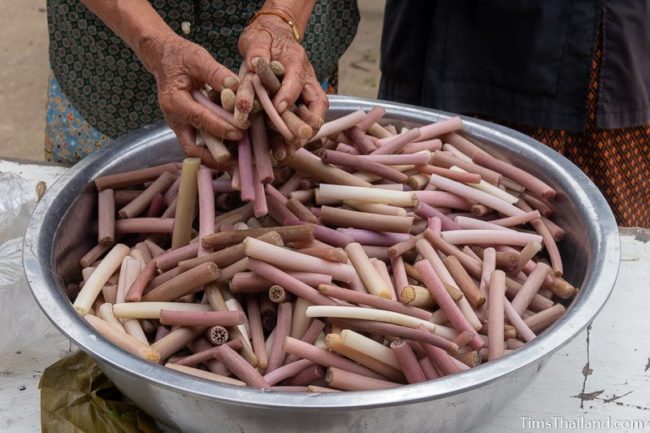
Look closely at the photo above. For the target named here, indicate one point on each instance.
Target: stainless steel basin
(57, 236)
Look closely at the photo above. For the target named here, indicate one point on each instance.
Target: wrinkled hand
(180, 66)
(270, 38)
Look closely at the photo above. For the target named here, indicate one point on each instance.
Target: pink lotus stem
(206, 206)
(489, 265)
(368, 237)
(93, 254)
(294, 260)
(270, 110)
(530, 287)
(463, 144)
(542, 320)
(309, 336)
(549, 242)
(217, 110)
(434, 224)
(175, 340)
(371, 118)
(477, 224)
(538, 204)
(517, 220)
(425, 211)
(396, 159)
(106, 217)
(141, 202)
(291, 184)
(260, 142)
(202, 318)
(442, 199)
(144, 225)
(162, 278)
(257, 331)
(403, 247)
(134, 293)
(156, 206)
(497, 293)
(342, 123)
(356, 163)
(287, 371)
(288, 282)
(348, 381)
(282, 330)
(459, 176)
(515, 320)
(395, 144)
(240, 367)
(307, 376)
(249, 282)
(184, 284)
(171, 258)
(373, 301)
(443, 299)
(448, 159)
(279, 196)
(524, 178)
(325, 358)
(245, 159)
(399, 272)
(260, 207)
(441, 127)
(428, 369)
(407, 361)
(161, 331)
(430, 145)
(346, 148)
(475, 195)
(441, 359)
(206, 353)
(358, 137)
(172, 191)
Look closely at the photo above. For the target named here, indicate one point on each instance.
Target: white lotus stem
(368, 314)
(151, 310)
(328, 192)
(370, 347)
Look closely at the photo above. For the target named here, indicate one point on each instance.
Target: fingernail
(254, 61)
(228, 82)
(282, 106)
(233, 135)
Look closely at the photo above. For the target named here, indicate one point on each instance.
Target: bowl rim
(603, 269)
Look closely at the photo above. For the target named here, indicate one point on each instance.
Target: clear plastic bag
(20, 317)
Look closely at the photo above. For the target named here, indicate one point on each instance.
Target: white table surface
(602, 376)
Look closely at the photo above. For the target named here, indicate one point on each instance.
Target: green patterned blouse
(111, 89)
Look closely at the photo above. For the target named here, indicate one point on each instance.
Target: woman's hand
(180, 66)
(270, 38)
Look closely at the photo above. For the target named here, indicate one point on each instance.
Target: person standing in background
(573, 75)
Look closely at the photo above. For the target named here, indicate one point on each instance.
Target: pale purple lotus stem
(395, 144)
(286, 371)
(489, 265)
(270, 110)
(234, 182)
(310, 335)
(429, 145)
(494, 237)
(368, 237)
(425, 211)
(277, 210)
(497, 296)
(517, 220)
(428, 369)
(172, 190)
(399, 273)
(475, 195)
(260, 207)
(260, 142)
(441, 359)
(324, 234)
(220, 112)
(288, 282)
(206, 207)
(222, 184)
(279, 196)
(245, 160)
(282, 330)
(442, 127)
(446, 303)
(530, 287)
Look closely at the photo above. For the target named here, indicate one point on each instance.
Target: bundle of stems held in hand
(366, 259)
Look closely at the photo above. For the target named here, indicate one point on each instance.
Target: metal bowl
(57, 236)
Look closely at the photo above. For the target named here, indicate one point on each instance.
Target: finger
(205, 68)
(193, 113)
(315, 99)
(187, 139)
(292, 85)
(253, 45)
